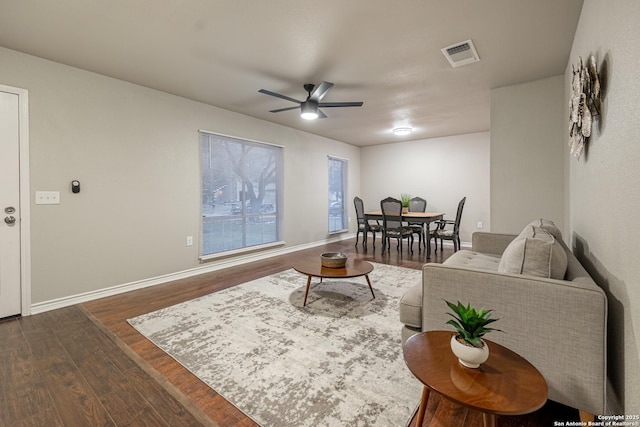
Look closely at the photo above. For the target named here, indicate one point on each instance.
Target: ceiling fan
(309, 109)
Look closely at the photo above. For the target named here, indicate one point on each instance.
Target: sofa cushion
(535, 252)
(472, 259)
(411, 306)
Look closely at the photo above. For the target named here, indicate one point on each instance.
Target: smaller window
(337, 195)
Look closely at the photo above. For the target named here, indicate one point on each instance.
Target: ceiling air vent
(462, 53)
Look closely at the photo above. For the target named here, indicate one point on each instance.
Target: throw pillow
(535, 252)
(549, 226)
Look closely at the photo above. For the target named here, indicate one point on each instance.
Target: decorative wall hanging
(584, 104)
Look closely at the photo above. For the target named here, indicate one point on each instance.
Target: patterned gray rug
(336, 362)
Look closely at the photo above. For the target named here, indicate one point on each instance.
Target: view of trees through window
(241, 183)
(337, 195)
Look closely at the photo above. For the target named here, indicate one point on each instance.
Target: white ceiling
(385, 53)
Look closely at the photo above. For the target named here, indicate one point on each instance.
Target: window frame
(279, 196)
(345, 185)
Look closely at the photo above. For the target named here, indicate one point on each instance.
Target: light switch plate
(47, 197)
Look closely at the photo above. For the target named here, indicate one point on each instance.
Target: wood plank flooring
(85, 366)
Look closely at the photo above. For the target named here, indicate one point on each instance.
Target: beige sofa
(558, 324)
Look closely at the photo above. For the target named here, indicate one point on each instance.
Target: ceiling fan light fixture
(309, 110)
(402, 131)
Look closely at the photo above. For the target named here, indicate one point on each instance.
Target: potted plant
(470, 325)
(405, 199)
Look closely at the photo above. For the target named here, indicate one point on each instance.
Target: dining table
(414, 217)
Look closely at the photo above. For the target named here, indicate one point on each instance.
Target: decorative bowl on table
(333, 259)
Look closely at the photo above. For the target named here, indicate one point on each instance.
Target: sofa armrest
(559, 326)
(490, 243)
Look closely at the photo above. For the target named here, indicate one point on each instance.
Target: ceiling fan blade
(320, 91)
(284, 109)
(340, 104)
(277, 95)
(321, 115)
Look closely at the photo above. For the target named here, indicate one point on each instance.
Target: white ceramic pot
(469, 356)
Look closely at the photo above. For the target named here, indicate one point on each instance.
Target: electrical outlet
(479, 224)
(189, 240)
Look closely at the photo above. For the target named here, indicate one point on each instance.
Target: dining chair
(364, 226)
(418, 204)
(393, 226)
(453, 233)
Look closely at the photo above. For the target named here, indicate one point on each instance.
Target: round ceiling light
(402, 131)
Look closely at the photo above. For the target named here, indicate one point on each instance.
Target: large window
(241, 193)
(337, 195)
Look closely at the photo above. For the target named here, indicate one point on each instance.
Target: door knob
(10, 220)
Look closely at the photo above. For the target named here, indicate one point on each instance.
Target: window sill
(241, 251)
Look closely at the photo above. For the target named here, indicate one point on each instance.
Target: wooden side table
(506, 384)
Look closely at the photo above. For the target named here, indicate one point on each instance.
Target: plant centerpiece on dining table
(405, 199)
(470, 326)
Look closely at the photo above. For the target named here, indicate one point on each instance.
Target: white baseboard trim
(466, 245)
(54, 304)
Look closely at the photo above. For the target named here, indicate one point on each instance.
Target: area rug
(336, 362)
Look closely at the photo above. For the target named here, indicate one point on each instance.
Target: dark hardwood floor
(85, 366)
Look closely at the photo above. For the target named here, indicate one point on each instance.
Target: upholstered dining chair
(418, 204)
(452, 233)
(393, 226)
(364, 226)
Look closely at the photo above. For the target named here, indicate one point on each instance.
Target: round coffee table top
(506, 384)
(313, 267)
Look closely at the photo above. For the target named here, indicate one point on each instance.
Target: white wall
(440, 170)
(604, 186)
(527, 154)
(136, 154)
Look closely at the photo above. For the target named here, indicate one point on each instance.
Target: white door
(10, 290)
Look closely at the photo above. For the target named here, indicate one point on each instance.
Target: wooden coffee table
(312, 267)
(506, 384)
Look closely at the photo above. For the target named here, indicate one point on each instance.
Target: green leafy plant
(405, 199)
(469, 323)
